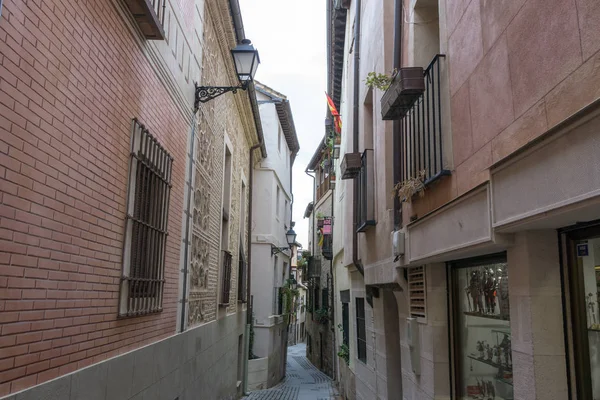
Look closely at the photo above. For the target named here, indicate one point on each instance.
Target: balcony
(150, 17)
(421, 136)
(226, 278)
(366, 191)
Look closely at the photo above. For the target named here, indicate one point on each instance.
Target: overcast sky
(290, 38)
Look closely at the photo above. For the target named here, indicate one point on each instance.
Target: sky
(290, 38)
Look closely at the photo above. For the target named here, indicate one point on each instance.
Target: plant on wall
(343, 350)
(290, 296)
(322, 315)
(320, 215)
(406, 189)
(379, 81)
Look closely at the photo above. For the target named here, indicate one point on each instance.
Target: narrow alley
(303, 381)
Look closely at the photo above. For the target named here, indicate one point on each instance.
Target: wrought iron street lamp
(290, 236)
(246, 60)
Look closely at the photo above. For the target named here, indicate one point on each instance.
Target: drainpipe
(355, 260)
(187, 226)
(396, 131)
(332, 291)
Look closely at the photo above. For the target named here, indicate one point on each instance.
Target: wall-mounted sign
(327, 226)
(582, 250)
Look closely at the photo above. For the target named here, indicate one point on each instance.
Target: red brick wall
(72, 76)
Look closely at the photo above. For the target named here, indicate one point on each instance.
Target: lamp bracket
(207, 93)
(277, 250)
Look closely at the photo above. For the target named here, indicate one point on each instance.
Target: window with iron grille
(325, 298)
(226, 278)
(417, 291)
(366, 192)
(144, 246)
(345, 324)
(150, 17)
(361, 333)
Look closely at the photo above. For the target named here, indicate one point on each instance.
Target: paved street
(302, 382)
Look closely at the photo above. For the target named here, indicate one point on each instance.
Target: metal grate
(226, 281)
(421, 131)
(142, 281)
(417, 292)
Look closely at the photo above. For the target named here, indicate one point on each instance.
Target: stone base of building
(207, 359)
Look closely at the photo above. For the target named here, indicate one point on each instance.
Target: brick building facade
(73, 76)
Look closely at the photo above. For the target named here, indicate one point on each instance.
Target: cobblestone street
(303, 381)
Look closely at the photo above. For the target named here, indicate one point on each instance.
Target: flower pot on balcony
(405, 89)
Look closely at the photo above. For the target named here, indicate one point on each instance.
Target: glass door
(582, 275)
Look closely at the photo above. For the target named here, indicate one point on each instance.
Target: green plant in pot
(322, 315)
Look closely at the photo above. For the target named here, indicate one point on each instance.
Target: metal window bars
(144, 249)
(421, 130)
(226, 277)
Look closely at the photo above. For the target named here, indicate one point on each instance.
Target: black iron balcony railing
(327, 248)
(421, 131)
(226, 277)
(366, 192)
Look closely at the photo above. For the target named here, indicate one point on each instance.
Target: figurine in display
(490, 352)
(475, 291)
(480, 349)
(489, 291)
(490, 390)
(498, 354)
(591, 306)
(502, 285)
(505, 345)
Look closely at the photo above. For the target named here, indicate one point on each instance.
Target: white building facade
(272, 210)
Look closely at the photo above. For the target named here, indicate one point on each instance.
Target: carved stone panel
(202, 197)
(200, 263)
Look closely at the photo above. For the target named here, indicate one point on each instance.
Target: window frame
(361, 343)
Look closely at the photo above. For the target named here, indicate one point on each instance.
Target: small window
(325, 298)
(418, 292)
(361, 334)
(146, 224)
(345, 324)
(277, 202)
(279, 140)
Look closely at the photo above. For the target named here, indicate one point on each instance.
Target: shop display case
(482, 335)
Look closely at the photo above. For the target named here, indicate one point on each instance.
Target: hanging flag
(337, 120)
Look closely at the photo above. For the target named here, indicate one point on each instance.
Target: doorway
(581, 274)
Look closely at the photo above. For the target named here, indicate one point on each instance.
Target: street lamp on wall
(246, 60)
(290, 236)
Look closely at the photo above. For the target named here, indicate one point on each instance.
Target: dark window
(325, 298)
(145, 237)
(345, 323)
(361, 334)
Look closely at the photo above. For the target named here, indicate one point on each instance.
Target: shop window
(361, 333)
(481, 320)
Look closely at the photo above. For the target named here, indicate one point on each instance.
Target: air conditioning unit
(398, 245)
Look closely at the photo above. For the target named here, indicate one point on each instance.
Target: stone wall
(200, 360)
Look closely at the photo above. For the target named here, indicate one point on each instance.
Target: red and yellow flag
(337, 120)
